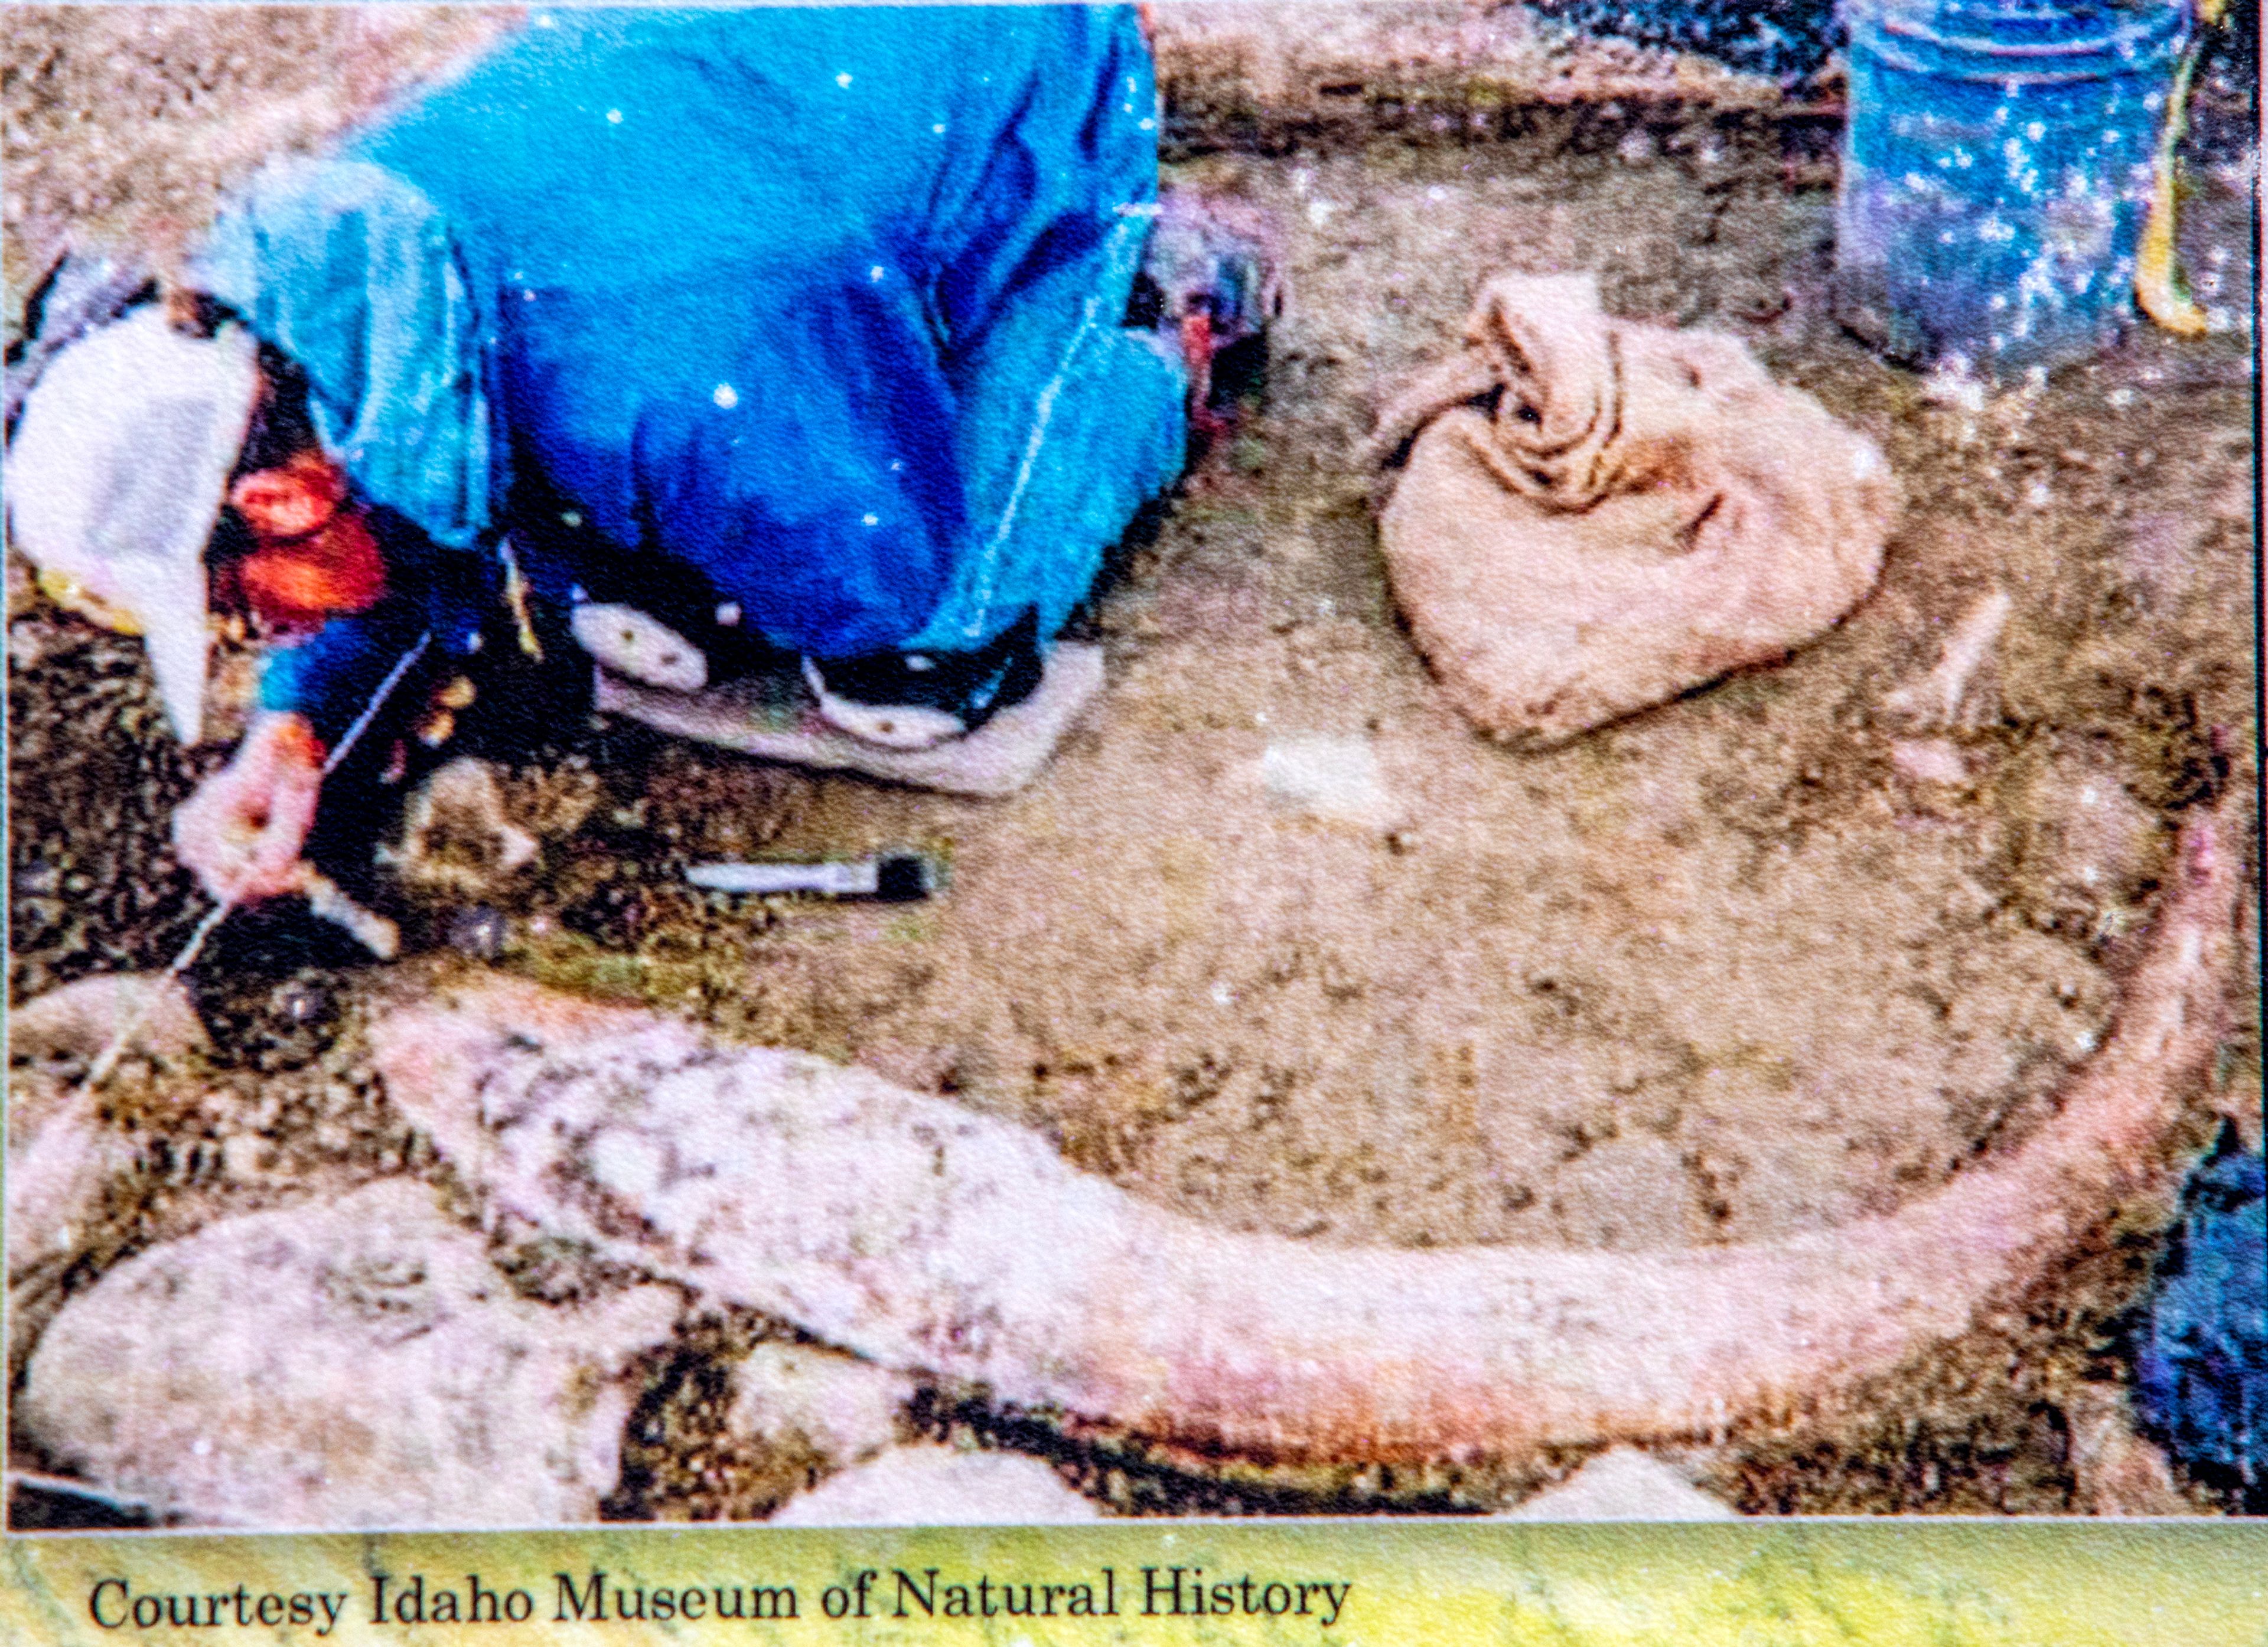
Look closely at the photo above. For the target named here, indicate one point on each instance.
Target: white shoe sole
(997, 759)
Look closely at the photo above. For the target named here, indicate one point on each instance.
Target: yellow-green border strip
(1907, 1583)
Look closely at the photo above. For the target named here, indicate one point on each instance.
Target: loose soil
(1722, 972)
(1717, 974)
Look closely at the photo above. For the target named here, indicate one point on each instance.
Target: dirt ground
(1278, 940)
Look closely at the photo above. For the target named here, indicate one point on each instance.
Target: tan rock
(54, 1182)
(934, 1486)
(839, 1408)
(63, 1153)
(458, 839)
(55, 1191)
(355, 1363)
(2116, 1471)
(1337, 779)
(78, 1022)
(1622, 1484)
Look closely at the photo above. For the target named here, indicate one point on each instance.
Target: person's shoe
(752, 715)
(915, 700)
(1209, 280)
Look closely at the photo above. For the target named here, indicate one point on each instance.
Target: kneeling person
(786, 344)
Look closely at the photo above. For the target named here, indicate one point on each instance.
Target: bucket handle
(2159, 289)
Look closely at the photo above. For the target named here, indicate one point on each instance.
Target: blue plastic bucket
(1996, 173)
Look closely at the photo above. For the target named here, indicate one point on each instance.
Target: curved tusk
(934, 1240)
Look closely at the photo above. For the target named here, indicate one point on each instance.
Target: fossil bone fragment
(1933, 702)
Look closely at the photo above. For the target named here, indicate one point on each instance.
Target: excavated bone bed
(1782, 1029)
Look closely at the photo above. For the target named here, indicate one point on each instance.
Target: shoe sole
(999, 759)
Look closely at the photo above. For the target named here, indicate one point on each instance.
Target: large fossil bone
(935, 1240)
